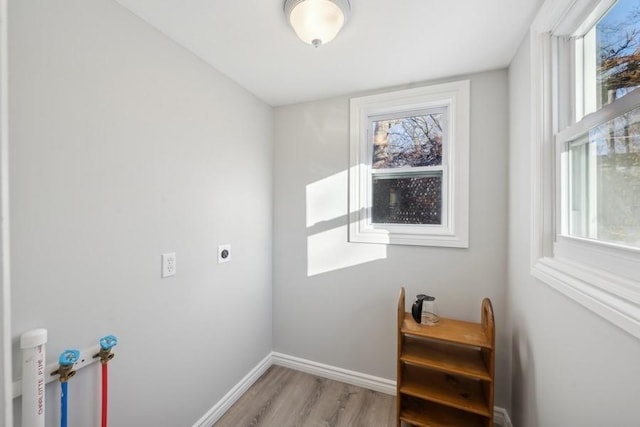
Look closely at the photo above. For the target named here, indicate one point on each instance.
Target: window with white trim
(409, 166)
(599, 155)
(586, 163)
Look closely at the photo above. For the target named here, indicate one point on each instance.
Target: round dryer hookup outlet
(224, 253)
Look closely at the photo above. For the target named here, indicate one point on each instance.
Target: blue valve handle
(108, 342)
(69, 357)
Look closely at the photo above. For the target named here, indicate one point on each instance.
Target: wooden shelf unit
(445, 374)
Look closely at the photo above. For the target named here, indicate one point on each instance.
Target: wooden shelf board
(445, 389)
(427, 414)
(444, 357)
(450, 330)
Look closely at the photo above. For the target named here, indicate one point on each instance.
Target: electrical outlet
(224, 253)
(168, 265)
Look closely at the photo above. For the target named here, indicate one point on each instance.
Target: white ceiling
(385, 43)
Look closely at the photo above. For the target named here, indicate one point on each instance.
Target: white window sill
(394, 235)
(614, 298)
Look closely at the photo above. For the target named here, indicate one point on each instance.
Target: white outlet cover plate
(168, 264)
(221, 253)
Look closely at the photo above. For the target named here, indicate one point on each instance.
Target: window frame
(454, 230)
(600, 276)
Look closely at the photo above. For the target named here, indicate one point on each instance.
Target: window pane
(407, 200)
(408, 141)
(617, 52)
(604, 182)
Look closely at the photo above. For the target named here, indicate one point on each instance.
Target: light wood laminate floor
(283, 397)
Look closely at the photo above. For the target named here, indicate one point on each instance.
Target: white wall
(6, 415)
(125, 146)
(334, 302)
(569, 366)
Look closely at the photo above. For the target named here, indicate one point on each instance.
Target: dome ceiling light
(317, 22)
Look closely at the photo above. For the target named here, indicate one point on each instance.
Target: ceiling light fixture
(317, 21)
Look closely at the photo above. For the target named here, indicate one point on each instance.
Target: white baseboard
(333, 373)
(218, 410)
(383, 385)
(501, 417)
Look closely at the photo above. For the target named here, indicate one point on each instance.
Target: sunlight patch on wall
(327, 215)
(329, 250)
(327, 199)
